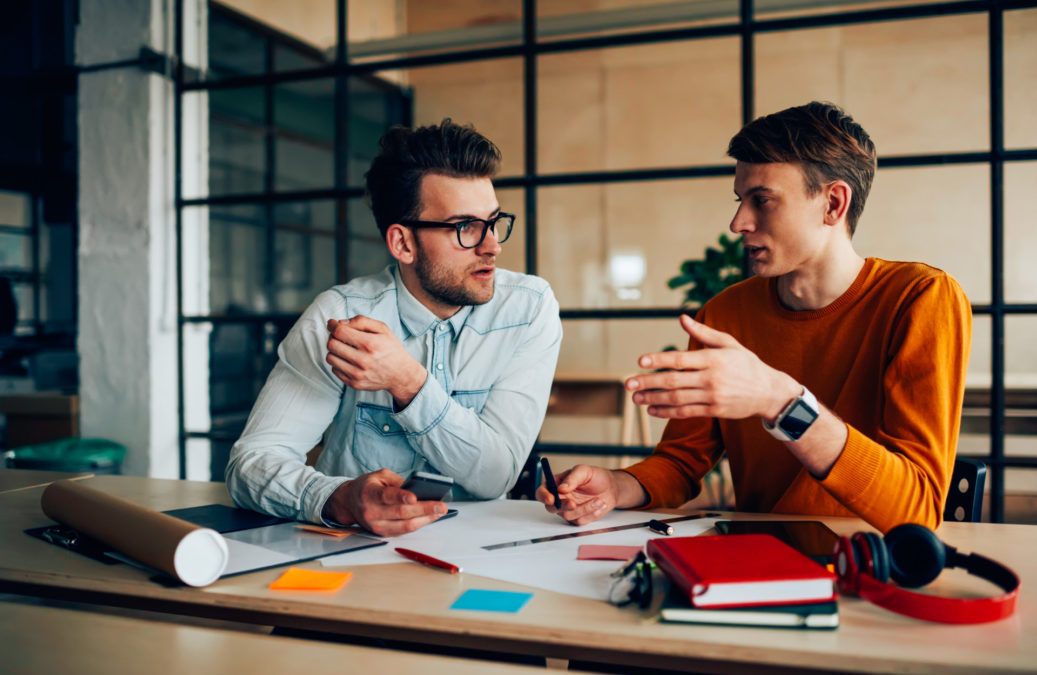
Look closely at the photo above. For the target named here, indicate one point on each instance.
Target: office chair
(529, 478)
(965, 497)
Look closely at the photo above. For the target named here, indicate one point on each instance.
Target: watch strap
(775, 429)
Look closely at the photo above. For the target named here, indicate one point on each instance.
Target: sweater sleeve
(902, 474)
(689, 448)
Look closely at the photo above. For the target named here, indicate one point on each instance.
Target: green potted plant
(713, 273)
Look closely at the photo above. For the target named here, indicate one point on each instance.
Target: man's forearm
(820, 447)
(823, 442)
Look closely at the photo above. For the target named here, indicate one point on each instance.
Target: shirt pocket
(473, 400)
(379, 442)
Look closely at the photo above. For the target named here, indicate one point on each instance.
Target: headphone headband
(855, 567)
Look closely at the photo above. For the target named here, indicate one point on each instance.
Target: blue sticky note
(491, 601)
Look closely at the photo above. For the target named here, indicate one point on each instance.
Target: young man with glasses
(834, 383)
(440, 363)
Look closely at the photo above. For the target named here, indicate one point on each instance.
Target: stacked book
(744, 580)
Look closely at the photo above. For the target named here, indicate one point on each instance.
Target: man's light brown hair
(823, 139)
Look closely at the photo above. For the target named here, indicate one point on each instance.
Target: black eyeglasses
(633, 582)
(472, 232)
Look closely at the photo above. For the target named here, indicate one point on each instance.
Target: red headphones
(912, 556)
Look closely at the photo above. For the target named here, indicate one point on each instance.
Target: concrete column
(127, 244)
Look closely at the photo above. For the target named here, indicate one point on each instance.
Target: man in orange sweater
(833, 382)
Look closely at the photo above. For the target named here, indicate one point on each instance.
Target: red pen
(428, 560)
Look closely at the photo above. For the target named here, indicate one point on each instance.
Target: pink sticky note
(598, 552)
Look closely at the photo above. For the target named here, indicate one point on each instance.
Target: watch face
(798, 420)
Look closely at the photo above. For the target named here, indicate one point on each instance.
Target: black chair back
(526, 485)
(965, 497)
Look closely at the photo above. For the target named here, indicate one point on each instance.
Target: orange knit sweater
(888, 356)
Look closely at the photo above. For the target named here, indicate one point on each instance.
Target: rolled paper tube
(195, 555)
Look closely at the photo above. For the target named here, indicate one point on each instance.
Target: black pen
(660, 527)
(549, 478)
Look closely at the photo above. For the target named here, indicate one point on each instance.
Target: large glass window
(613, 159)
(19, 277)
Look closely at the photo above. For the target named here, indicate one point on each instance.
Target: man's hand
(365, 355)
(589, 492)
(376, 502)
(723, 379)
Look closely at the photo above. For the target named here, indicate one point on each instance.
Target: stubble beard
(439, 283)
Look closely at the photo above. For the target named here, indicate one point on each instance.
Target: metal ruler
(587, 533)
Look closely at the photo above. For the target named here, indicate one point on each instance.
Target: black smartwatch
(795, 419)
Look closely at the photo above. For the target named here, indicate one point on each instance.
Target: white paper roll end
(201, 557)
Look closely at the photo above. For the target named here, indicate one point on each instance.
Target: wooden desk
(36, 640)
(410, 603)
(20, 479)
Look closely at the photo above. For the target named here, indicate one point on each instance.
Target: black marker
(660, 527)
(549, 478)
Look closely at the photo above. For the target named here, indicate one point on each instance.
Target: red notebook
(741, 570)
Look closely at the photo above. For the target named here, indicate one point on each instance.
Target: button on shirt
(475, 419)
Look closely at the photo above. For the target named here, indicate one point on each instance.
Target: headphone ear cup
(879, 556)
(846, 569)
(916, 555)
(862, 552)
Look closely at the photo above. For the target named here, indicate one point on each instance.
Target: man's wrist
(785, 389)
(630, 494)
(336, 509)
(412, 384)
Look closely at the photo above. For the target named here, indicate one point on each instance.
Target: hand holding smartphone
(428, 486)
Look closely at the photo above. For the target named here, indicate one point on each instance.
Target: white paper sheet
(549, 565)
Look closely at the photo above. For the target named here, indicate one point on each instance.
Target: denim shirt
(475, 419)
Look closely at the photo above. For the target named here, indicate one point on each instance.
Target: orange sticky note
(330, 531)
(299, 579)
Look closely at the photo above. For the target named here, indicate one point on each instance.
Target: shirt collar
(417, 319)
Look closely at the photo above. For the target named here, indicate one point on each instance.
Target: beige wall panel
(312, 21)
(1021, 351)
(978, 374)
(1020, 233)
(513, 251)
(372, 19)
(571, 246)
(488, 95)
(918, 86)
(936, 215)
(912, 85)
(667, 222)
(791, 70)
(672, 105)
(663, 222)
(546, 8)
(658, 105)
(1021, 79)
(585, 347)
(424, 16)
(571, 118)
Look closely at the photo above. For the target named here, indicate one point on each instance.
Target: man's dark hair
(407, 155)
(823, 139)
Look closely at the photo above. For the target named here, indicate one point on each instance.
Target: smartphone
(810, 537)
(428, 486)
